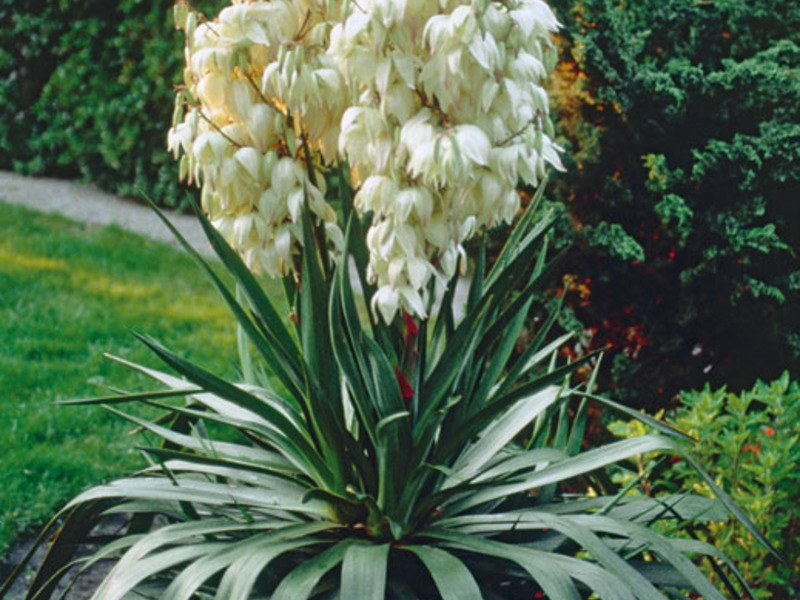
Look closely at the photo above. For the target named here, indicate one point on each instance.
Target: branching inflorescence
(437, 108)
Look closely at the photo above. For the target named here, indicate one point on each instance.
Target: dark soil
(83, 587)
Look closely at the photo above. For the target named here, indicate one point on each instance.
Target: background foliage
(682, 129)
(750, 444)
(86, 91)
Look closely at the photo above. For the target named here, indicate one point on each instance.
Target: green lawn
(69, 293)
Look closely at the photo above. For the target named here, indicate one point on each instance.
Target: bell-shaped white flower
(385, 301)
(438, 107)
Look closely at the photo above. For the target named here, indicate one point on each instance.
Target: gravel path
(87, 204)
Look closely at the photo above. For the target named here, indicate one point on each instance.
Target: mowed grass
(68, 294)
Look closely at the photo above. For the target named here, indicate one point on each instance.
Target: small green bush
(750, 444)
(86, 91)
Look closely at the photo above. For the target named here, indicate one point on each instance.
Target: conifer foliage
(683, 175)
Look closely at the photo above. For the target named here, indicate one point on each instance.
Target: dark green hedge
(682, 122)
(86, 91)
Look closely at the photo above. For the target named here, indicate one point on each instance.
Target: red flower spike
(769, 431)
(411, 326)
(405, 388)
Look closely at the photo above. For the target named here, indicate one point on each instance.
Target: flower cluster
(450, 116)
(258, 118)
(437, 106)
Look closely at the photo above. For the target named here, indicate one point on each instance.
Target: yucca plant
(414, 461)
(381, 445)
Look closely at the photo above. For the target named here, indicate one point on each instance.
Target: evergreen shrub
(682, 127)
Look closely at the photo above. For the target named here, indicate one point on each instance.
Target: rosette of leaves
(410, 460)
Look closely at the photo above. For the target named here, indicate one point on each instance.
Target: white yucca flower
(265, 104)
(438, 107)
(450, 116)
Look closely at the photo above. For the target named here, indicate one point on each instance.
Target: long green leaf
(309, 465)
(301, 581)
(520, 230)
(238, 453)
(352, 362)
(451, 576)
(285, 357)
(465, 431)
(356, 247)
(443, 322)
(119, 583)
(519, 462)
(214, 402)
(109, 551)
(276, 343)
(504, 277)
(729, 503)
(501, 326)
(364, 572)
(476, 286)
(219, 386)
(123, 398)
(314, 289)
(325, 409)
(439, 383)
(64, 536)
(531, 358)
(655, 543)
(543, 568)
(232, 472)
(567, 469)
(639, 415)
(498, 434)
(260, 303)
(192, 531)
(493, 524)
(241, 576)
(513, 321)
(189, 581)
(505, 470)
(161, 489)
(582, 528)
